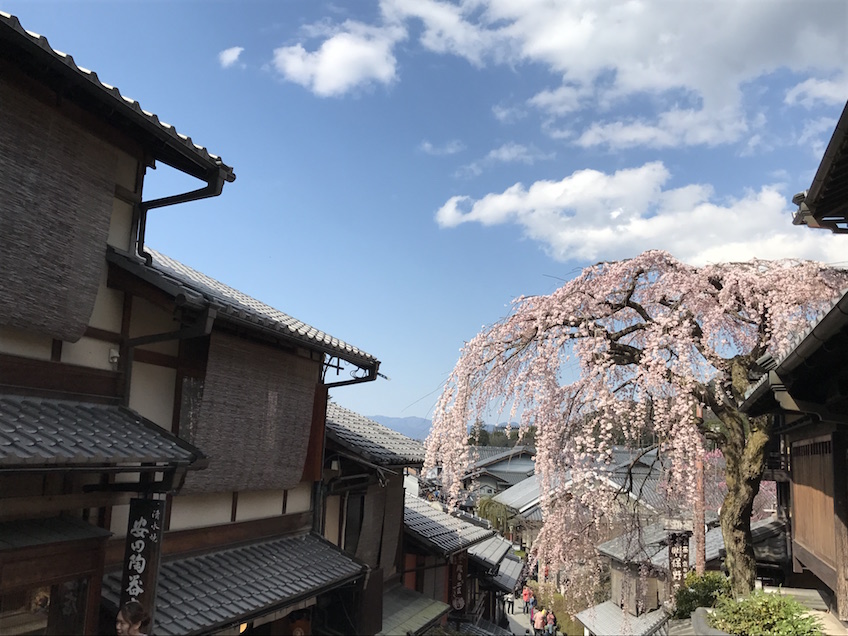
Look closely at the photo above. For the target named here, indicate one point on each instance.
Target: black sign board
(141, 556)
(678, 559)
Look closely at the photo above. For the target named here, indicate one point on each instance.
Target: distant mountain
(414, 427)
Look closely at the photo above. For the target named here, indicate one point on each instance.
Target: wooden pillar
(840, 520)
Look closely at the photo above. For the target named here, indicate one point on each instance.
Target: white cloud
(816, 134)
(354, 56)
(508, 114)
(230, 56)
(449, 148)
(590, 215)
(608, 51)
(812, 92)
(509, 152)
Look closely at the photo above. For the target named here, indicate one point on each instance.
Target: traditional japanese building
(805, 391)
(161, 434)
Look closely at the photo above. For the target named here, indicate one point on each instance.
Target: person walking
(525, 595)
(539, 622)
(510, 602)
(550, 627)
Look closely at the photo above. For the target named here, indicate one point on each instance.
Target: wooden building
(805, 391)
(364, 467)
(123, 371)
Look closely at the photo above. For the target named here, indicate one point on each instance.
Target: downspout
(214, 187)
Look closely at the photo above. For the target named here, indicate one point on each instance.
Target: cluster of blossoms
(626, 354)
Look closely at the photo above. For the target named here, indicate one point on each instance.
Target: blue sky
(407, 167)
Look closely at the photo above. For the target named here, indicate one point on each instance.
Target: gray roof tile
(204, 593)
(436, 528)
(490, 553)
(608, 619)
(376, 442)
(406, 611)
(38, 431)
(174, 277)
(509, 573)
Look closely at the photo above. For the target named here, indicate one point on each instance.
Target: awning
(439, 531)
(406, 611)
(509, 573)
(202, 594)
(29, 533)
(44, 434)
(490, 553)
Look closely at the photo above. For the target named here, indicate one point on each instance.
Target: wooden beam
(33, 506)
(20, 372)
(814, 564)
(196, 540)
(840, 520)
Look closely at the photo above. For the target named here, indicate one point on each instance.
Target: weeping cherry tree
(625, 352)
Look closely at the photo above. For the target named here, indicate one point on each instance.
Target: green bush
(700, 591)
(765, 614)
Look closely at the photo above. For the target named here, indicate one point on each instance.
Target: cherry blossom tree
(625, 352)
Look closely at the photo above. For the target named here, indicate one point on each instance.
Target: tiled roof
(505, 454)
(608, 619)
(490, 553)
(766, 537)
(175, 278)
(406, 611)
(376, 442)
(37, 431)
(509, 573)
(522, 495)
(651, 544)
(91, 88)
(23, 533)
(828, 323)
(201, 594)
(433, 527)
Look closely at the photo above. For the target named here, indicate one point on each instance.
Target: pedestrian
(539, 622)
(510, 602)
(131, 620)
(525, 595)
(550, 628)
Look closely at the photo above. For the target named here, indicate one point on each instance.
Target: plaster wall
(120, 225)
(259, 504)
(299, 498)
(108, 307)
(195, 511)
(152, 393)
(88, 352)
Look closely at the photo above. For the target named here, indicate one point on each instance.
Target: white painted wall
(88, 352)
(108, 307)
(196, 511)
(120, 225)
(152, 392)
(299, 498)
(259, 504)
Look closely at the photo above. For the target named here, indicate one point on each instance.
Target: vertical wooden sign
(678, 559)
(458, 581)
(141, 556)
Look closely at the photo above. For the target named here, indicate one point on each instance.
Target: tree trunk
(744, 452)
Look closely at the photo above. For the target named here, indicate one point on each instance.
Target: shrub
(700, 591)
(763, 614)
